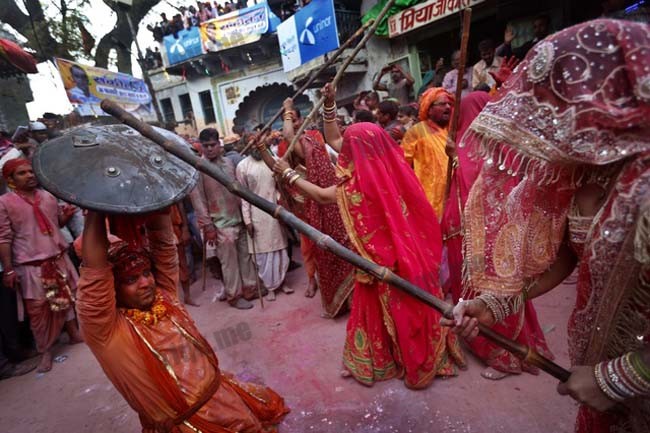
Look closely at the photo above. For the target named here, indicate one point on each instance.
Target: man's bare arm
(95, 241)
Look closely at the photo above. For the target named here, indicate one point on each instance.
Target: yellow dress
(424, 149)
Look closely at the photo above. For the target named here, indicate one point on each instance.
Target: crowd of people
(548, 175)
(192, 16)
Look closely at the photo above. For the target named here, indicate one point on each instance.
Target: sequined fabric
(576, 104)
(575, 110)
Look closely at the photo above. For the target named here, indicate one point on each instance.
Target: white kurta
(269, 234)
(270, 239)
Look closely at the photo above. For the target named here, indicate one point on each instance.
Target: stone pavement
(298, 353)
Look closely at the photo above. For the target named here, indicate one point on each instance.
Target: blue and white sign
(187, 45)
(309, 33)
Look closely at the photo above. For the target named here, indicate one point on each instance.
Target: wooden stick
(339, 75)
(311, 78)
(255, 265)
(204, 264)
(325, 241)
(453, 128)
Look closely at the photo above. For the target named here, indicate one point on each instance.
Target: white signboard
(425, 13)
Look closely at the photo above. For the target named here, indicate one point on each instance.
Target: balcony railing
(347, 22)
(266, 49)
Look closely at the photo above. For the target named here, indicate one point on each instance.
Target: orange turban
(11, 166)
(428, 97)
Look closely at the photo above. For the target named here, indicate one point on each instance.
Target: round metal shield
(113, 169)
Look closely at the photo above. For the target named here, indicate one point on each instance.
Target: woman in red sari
(523, 326)
(332, 275)
(389, 221)
(463, 177)
(566, 184)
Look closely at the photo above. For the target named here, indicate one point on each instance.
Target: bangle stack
(624, 377)
(502, 307)
(289, 115)
(498, 308)
(290, 176)
(329, 113)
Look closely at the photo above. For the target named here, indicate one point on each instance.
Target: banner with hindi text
(86, 87)
(240, 27)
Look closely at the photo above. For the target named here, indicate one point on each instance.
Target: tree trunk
(120, 38)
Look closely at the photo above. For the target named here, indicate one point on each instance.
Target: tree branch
(122, 34)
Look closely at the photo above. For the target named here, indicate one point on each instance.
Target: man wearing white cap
(38, 131)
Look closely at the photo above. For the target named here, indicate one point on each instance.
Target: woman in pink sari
(566, 185)
(389, 221)
(523, 326)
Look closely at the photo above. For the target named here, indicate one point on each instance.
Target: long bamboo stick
(453, 128)
(324, 241)
(333, 58)
(339, 75)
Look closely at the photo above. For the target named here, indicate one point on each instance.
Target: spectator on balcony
(156, 31)
(164, 24)
(176, 25)
(400, 84)
(149, 59)
(209, 12)
(158, 56)
(287, 9)
(203, 14)
(228, 7)
(191, 17)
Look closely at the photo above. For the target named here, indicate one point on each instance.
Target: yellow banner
(86, 87)
(237, 28)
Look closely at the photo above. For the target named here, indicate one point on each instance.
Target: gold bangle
(330, 108)
(288, 174)
(327, 120)
(294, 179)
(285, 171)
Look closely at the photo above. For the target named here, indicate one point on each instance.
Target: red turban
(11, 166)
(128, 260)
(429, 97)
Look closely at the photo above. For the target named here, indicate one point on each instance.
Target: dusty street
(292, 349)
